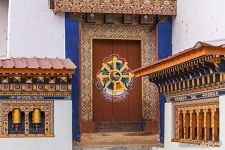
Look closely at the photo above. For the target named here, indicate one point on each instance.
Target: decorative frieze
(126, 19)
(41, 84)
(194, 96)
(156, 7)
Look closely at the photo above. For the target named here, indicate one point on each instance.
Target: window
(197, 122)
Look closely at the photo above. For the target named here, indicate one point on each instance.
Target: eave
(180, 58)
(201, 68)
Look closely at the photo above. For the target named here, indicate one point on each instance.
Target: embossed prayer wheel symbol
(115, 78)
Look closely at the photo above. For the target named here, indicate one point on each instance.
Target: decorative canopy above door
(154, 7)
(198, 69)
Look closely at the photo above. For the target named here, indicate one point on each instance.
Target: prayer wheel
(36, 117)
(16, 118)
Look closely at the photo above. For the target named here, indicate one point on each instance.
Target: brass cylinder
(16, 116)
(36, 116)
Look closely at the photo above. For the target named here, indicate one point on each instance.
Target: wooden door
(131, 108)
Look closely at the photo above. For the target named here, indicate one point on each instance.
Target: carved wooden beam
(155, 7)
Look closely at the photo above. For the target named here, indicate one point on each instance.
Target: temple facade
(92, 64)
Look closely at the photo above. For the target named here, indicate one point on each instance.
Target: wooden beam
(178, 59)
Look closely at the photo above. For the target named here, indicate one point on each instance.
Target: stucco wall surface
(34, 30)
(197, 20)
(3, 27)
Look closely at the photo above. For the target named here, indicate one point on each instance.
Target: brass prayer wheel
(16, 118)
(36, 117)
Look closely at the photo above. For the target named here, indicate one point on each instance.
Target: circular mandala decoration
(115, 79)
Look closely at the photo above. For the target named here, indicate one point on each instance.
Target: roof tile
(8, 63)
(56, 63)
(67, 63)
(35, 63)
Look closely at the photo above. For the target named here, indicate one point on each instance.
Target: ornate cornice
(46, 77)
(35, 85)
(199, 69)
(155, 7)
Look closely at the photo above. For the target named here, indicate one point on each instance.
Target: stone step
(114, 148)
(120, 126)
(117, 139)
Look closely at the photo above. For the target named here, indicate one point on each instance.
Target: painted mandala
(115, 79)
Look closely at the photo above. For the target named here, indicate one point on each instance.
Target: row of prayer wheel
(16, 118)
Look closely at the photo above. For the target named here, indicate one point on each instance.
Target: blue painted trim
(72, 39)
(164, 39)
(164, 50)
(162, 111)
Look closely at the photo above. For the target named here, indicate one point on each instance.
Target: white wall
(169, 124)
(63, 133)
(198, 20)
(34, 30)
(3, 26)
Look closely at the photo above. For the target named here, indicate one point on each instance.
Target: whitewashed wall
(34, 30)
(198, 20)
(3, 26)
(63, 133)
(169, 124)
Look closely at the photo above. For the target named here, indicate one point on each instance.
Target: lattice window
(197, 122)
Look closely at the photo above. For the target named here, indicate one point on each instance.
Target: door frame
(121, 32)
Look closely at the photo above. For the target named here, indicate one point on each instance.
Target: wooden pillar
(207, 124)
(200, 118)
(213, 110)
(186, 124)
(184, 111)
(191, 124)
(216, 125)
(204, 124)
(181, 125)
(177, 123)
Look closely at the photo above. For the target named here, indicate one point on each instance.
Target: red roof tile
(37, 63)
